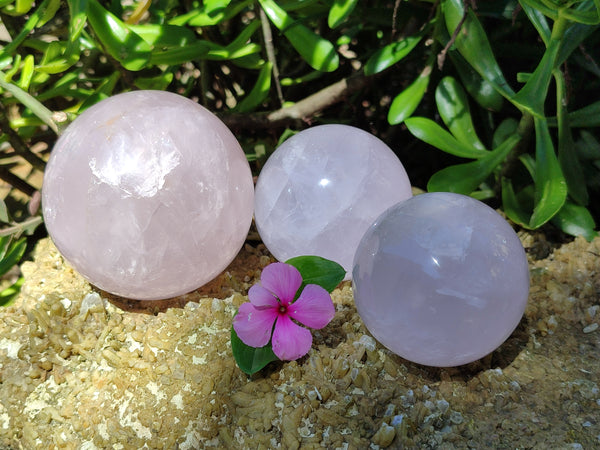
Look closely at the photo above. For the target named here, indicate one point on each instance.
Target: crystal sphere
(321, 189)
(148, 195)
(441, 279)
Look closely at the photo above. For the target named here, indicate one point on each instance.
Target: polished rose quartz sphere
(441, 279)
(321, 189)
(148, 195)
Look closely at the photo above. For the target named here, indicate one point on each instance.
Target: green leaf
(48, 13)
(249, 359)
(340, 10)
(158, 83)
(532, 96)
(453, 107)
(259, 92)
(474, 46)
(316, 51)
(575, 220)
(567, 155)
(550, 185)
(465, 178)
(536, 17)
(572, 39)
(587, 147)
(8, 295)
(78, 10)
(316, 270)
(121, 43)
(433, 134)
(507, 127)
(163, 35)
(588, 116)
(513, 208)
(26, 72)
(13, 255)
(405, 103)
(480, 89)
(391, 54)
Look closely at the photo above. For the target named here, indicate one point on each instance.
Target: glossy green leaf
(479, 88)
(178, 55)
(163, 35)
(575, 220)
(13, 255)
(49, 13)
(433, 134)
(572, 39)
(465, 178)
(27, 28)
(405, 103)
(26, 72)
(590, 17)
(10, 294)
(545, 8)
(511, 205)
(454, 110)
(588, 116)
(538, 20)
(531, 97)
(78, 10)
(391, 54)
(22, 6)
(474, 46)
(249, 359)
(567, 155)
(316, 270)
(158, 83)
(259, 92)
(124, 45)
(550, 185)
(340, 10)
(315, 50)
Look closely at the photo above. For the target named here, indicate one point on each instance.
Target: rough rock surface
(78, 372)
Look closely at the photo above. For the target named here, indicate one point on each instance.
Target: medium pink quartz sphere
(322, 188)
(148, 195)
(441, 279)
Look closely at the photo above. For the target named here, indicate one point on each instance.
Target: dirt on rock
(80, 369)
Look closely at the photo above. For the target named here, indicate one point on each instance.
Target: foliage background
(497, 99)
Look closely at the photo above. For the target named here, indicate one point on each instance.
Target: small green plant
(541, 133)
(524, 124)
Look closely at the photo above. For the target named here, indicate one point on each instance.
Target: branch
(302, 110)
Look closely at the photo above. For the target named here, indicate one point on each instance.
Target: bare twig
(302, 110)
(268, 37)
(442, 55)
(16, 182)
(395, 18)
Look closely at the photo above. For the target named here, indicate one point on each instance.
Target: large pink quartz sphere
(148, 195)
(441, 279)
(322, 188)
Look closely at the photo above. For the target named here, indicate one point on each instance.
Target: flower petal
(290, 341)
(282, 280)
(253, 326)
(314, 308)
(262, 298)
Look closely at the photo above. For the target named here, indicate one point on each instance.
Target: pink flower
(272, 302)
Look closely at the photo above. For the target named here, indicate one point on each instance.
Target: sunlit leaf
(13, 255)
(391, 54)
(121, 43)
(550, 185)
(340, 10)
(465, 178)
(405, 103)
(473, 44)
(575, 220)
(454, 110)
(316, 51)
(259, 92)
(433, 134)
